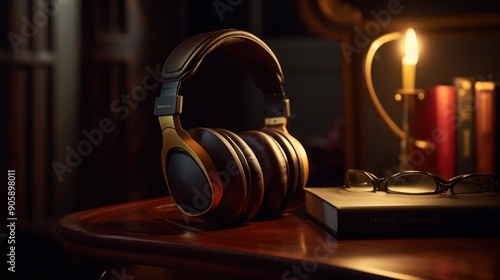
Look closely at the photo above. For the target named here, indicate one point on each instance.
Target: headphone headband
(256, 56)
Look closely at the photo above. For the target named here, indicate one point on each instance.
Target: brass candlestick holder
(407, 96)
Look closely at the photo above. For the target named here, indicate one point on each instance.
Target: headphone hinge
(276, 107)
(275, 122)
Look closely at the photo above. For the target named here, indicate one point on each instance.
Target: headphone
(215, 174)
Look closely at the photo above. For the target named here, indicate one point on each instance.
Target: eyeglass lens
(474, 184)
(412, 183)
(358, 181)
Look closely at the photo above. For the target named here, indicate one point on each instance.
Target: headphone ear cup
(274, 167)
(293, 163)
(297, 155)
(231, 171)
(255, 179)
(303, 163)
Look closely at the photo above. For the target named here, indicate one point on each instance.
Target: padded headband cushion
(257, 57)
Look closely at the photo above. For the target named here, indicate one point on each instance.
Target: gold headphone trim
(180, 139)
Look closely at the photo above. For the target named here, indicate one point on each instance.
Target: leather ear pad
(231, 171)
(303, 163)
(274, 167)
(297, 155)
(291, 155)
(255, 180)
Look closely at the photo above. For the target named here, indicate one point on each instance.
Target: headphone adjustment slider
(168, 105)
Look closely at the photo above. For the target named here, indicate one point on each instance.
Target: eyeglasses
(419, 182)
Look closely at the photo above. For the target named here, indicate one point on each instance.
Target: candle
(409, 65)
(410, 59)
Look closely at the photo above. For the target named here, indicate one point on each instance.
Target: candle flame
(411, 47)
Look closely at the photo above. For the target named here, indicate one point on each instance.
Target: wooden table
(291, 246)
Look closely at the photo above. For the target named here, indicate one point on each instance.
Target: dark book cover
(435, 121)
(353, 215)
(466, 152)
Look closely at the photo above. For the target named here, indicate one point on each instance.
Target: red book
(485, 126)
(435, 121)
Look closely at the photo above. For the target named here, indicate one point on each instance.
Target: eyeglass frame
(442, 185)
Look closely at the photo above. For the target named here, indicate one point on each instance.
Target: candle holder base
(400, 92)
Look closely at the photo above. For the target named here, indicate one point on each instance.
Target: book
(435, 121)
(354, 215)
(485, 126)
(465, 124)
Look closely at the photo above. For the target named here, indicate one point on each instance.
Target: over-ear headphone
(215, 174)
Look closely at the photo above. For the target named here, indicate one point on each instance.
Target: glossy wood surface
(290, 246)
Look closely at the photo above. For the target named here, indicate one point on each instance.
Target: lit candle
(410, 59)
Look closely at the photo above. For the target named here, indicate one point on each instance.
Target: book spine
(413, 222)
(485, 126)
(466, 152)
(435, 121)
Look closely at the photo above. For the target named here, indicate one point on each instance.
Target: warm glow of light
(411, 47)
